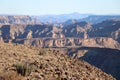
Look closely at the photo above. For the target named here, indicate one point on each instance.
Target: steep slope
(28, 31)
(76, 29)
(51, 65)
(116, 35)
(104, 58)
(108, 28)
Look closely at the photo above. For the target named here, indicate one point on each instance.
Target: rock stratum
(105, 34)
(71, 42)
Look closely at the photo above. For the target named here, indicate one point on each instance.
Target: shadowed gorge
(104, 34)
(104, 58)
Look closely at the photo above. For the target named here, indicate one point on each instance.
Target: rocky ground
(47, 64)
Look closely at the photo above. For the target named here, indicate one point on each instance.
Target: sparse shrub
(42, 52)
(24, 69)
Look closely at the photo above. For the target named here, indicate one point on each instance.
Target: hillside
(47, 64)
(104, 58)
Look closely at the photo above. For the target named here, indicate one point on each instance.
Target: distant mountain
(60, 18)
(94, 19)
(18, 19)
(70, 21)
(65, 19)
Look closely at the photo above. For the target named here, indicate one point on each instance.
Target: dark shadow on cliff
(5, 32)
(106, 59)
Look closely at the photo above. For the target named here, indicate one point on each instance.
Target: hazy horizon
(54, 7)
(58, 14)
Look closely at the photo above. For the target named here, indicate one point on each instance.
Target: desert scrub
(24, 69)
(42, 52)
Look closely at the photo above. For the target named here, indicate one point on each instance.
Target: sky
(44, 7)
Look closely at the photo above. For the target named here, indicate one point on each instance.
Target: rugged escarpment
(116, 35)
(70, 42)
(105, 34)
(47, 65)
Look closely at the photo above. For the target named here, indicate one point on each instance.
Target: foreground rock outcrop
(50, 65)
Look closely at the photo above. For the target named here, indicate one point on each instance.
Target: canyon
(104, 34)
(97, 43)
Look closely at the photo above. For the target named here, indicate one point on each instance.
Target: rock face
(50, 65)
(105, 34)
(105, 29)
(77, 29)
(116, 35)
(71, 42)
(1, 39)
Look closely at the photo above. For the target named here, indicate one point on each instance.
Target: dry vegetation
(47, 64)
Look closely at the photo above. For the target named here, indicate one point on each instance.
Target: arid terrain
(77, 49)
(49, 64)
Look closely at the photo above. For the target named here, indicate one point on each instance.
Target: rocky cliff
(104, 34)
(70, 42)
